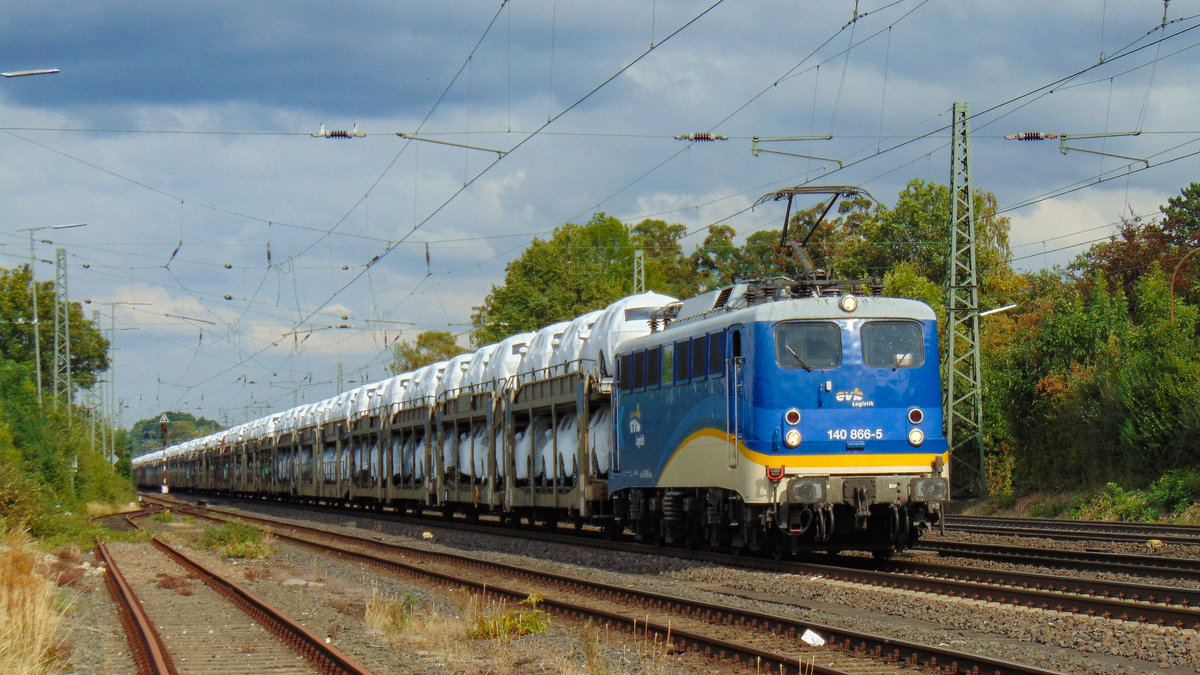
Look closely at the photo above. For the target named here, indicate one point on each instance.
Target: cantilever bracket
(1064, 148)
(755, 149)
(499, 153)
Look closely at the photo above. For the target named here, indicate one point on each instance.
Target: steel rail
(854, 642)
(1091, 561)
(149, 653)
(1125, 601)
(1070, 530)
(325, 657)
(994, 586)
(1147, 529)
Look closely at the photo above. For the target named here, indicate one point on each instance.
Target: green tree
(579, 269)
(89, 349)
(1093, 392)
(667, 269)
(1181, 217)
(1141, 242)
(47, 466)
(146, 434)
(715, 261)
(868, 241)
(430, 346)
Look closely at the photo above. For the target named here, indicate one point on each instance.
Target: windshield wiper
(797, 357)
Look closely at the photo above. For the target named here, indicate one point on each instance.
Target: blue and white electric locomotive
(785, 415)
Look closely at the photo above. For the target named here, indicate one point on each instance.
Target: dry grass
(181, 585)
(389, 614)
(1189, 516)
(97, 509)
(456, 641)
(28, 619)
(257, 574)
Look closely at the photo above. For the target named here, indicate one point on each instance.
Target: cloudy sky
(181, 133)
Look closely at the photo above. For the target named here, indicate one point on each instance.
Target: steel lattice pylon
(639, 271)
(964, 394)
(62, 331)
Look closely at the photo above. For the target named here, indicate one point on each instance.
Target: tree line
(1088, 380)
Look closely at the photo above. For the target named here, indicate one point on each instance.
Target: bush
(513, 623)
(1117, 503)
(236, 539)
(1176, 490)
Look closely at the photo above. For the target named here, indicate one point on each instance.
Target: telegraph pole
(964, 393)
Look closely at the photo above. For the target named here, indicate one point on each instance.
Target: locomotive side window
(810, 345)
(639, 370)
(653, 367)
(624, 371)
(668, 364)
(716, 354)
(699, 356)
(892, 344)
(683, 361)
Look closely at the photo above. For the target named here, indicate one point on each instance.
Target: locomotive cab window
(892, 344)
(810, 345)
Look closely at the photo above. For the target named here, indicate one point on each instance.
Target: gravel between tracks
(1052, 640)
(331, 597)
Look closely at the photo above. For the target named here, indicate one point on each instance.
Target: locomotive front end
(847, 421)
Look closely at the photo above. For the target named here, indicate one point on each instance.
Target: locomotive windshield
(892, 344)
(809, 345)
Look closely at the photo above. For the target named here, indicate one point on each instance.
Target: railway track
(195, 633)
(1076, 530)
(886, 652)
(1137, 602)
(150, 655)
(1160, 567)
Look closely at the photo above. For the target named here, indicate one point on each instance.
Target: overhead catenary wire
(488, 167)
(685, 207)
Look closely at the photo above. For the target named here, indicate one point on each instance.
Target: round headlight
(791, 438)
(792, 417)
(849, 303)
(916, 415)
(916, 437)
